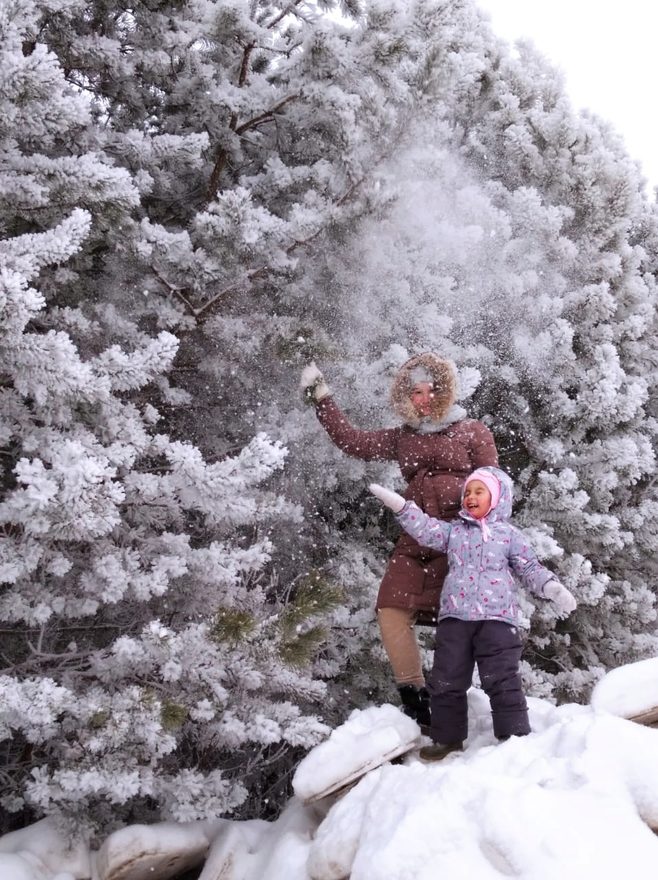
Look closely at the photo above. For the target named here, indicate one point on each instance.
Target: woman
(436, 448)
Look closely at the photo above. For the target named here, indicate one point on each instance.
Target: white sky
(607, 52)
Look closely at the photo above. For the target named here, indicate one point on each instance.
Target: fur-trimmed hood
(426, 367)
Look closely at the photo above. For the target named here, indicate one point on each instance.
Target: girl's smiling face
(477, 499)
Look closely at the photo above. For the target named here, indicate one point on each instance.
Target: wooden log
(648, 718)
(341, 787)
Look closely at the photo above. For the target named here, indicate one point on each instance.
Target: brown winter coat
(434, 464)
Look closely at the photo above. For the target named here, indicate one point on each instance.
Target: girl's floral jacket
(483, 557)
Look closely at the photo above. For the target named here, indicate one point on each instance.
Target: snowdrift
(577, 799)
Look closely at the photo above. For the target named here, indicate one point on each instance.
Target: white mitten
(312, 383)
(388, 497)
(561, 597)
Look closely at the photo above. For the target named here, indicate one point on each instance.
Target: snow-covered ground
(578, 798)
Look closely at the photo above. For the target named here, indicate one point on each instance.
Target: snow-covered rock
(151, 852)
(257, 849)
(25, 866)
(367, 739)
(336, 842)
(576, 799)
(40, 852)
(230, 851)
(630, 691)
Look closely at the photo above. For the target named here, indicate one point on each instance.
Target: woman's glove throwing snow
(388, 497)
(561, 598)
(312, 383)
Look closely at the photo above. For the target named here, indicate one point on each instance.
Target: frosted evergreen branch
(222, 156)
(176, 291)
(288, 10)
(266, 116)
(263, 270)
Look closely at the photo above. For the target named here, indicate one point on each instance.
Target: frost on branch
(107, 530)
(91, 551)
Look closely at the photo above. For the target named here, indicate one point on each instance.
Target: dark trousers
(496, 648)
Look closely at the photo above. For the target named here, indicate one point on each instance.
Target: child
(478, 612)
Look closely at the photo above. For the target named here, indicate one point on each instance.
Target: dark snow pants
(496, 648)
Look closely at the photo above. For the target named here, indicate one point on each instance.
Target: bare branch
(232, 288)
(267, 116)
(176, 291)
(244, 67)
(222, 155)
(289, 9)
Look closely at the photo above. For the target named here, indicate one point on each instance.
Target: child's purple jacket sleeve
(526, 566)
(428, 531)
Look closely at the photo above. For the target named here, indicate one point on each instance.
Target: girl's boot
(438, 751)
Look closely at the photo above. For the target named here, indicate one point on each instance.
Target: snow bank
(572, 801)
(576, 799)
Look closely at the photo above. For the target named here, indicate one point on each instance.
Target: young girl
(478, 611)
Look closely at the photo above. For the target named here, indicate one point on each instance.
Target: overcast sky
(609, 56)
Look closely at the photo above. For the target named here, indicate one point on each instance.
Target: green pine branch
(300, 650)
(314, 595)
(232, 625)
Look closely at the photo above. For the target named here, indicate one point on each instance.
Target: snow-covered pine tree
(582, 368)
(552, 215)
(551, 221)
(557, 293)
(255, 133)
(257, 136)
(521, 244)
(151, 662)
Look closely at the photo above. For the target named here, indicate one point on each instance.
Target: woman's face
(422, 398)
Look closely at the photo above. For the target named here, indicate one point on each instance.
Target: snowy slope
(578, 798)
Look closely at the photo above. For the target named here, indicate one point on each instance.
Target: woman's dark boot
(416, 704)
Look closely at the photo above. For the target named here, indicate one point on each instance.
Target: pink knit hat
(490, 481)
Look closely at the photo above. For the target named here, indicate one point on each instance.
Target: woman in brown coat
(436, 448)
